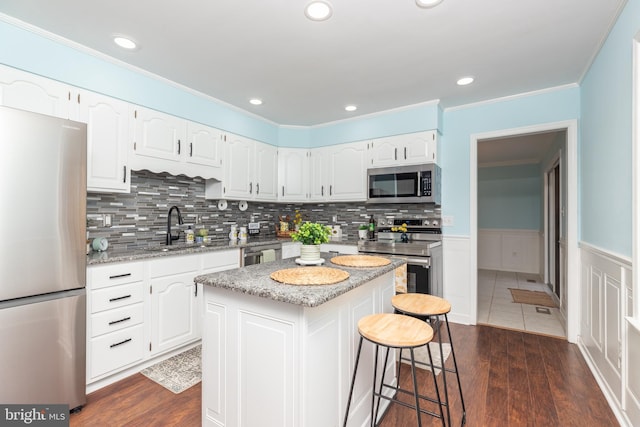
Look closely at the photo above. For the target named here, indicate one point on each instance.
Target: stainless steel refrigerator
(42, 259)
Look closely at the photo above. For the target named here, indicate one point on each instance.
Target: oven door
(418, 274)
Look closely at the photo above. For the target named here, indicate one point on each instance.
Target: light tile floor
(496, 307)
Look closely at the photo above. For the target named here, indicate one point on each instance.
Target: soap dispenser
(190, 235)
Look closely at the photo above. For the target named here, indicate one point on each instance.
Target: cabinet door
(174, 313)
(348, 172)
(293, 174)
(107, 132)
(318, 174)
(158, 135)
(265, 181)
(239, 171)
(384, 152)
(29, 92)
(419, 148)
(205, 145)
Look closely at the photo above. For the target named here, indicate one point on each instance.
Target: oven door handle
(425, 262)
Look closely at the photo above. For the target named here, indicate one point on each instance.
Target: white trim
(511, 97)
(573, 272)
(532, 161)
(635, 193)
(620, 260)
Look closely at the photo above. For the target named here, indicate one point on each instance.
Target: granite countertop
(126, 255)
(255, 280)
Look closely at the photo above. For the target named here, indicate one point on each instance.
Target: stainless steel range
(420, 246)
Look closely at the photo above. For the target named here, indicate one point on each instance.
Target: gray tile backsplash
(139, 219)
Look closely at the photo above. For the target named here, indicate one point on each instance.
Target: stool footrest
(409, 405)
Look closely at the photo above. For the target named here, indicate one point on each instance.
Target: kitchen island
(282, 355)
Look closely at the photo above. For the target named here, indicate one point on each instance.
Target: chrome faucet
(171, 238)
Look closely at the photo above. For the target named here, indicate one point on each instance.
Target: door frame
(573, 266)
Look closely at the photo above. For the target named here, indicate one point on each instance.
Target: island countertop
(255, 280)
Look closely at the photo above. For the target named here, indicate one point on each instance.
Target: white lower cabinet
(139, 312)
(115, 324)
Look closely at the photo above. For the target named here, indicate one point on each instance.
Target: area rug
(522, 296)
(422, 357)
(179, 372)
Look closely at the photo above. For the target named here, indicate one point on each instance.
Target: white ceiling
(377, 54)
(516, 150)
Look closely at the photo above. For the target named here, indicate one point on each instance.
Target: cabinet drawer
(116, 350)
(116, 296)
(220, 260)
(174, 265)
(116, 274)
(116, 319)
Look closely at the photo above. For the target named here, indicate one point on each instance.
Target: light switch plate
(447, 221)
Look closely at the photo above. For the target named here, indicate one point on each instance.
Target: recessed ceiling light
(428, 3)
(351, 108)
(465, 81)
(318, 10)
(255, 101)
(124, 42)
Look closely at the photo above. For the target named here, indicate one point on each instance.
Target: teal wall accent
(461, 123)
(409, 119)
(606, 139)
(509, 197)
(39, 55)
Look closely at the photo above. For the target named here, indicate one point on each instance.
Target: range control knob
(435, 223)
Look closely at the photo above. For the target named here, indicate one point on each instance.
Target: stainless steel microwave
(404, 184)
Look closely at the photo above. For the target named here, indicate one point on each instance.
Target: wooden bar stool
(394, 331)
(430, 308)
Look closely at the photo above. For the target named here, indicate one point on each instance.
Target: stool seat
(395, 330)
(420, 304)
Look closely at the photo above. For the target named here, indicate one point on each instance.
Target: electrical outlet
(106, 220)
(335, 218)
(447, 221)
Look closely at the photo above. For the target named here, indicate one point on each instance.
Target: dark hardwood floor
(509, 378)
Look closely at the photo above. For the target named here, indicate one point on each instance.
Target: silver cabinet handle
(251, 188)
(405, 153)
(191, 149)
(124, 178)
(258, 188)
(283, 191)
(331, 190)
(322, 190)
(395, 154)
(178, 146)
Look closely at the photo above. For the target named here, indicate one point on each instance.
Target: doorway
(567, 168)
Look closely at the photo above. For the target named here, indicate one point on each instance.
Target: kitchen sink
(166, 248)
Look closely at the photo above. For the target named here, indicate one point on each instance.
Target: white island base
(267, 363)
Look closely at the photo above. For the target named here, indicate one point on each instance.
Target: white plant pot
(363, 234)
(310, 252)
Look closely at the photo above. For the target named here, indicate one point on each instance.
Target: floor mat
(522, 296)
(179, 372)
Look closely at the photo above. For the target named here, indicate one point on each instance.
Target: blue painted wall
(461, 123)
(39, 55)
(510, 197)
(606, 139)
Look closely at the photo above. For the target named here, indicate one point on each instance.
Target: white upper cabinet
(107, 136)
(157, 136)
(408, 149)
(318, 174)
(293, 174)
(348, 172)
(266, 172)
(338, 172)
(251, 171)
(205, 145)
(165, 143)
(34, 93)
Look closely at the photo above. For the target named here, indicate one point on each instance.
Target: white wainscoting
(458, 286)
(509, 250)
(609, 344)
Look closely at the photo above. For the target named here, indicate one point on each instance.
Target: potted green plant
(363, 231)
(311, 235)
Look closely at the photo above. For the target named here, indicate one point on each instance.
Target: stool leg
(415, 386)
(373, 389)
(443, 370)
(435, 384)
(455, 366)
(353, 381)
(384, 368)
